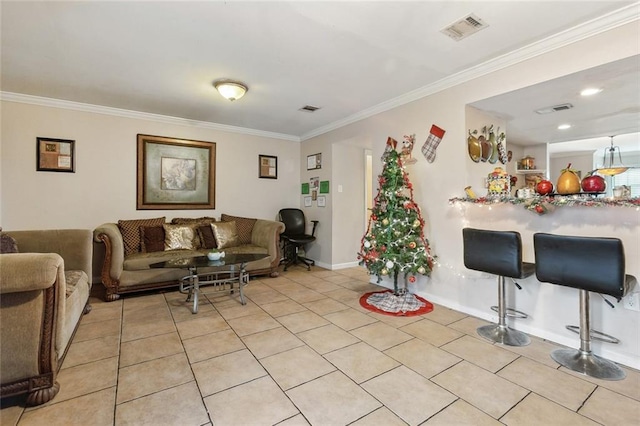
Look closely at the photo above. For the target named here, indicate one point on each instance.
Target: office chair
(295, 237)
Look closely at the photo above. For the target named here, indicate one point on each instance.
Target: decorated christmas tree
(394, 244)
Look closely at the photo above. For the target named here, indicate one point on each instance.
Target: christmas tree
(394, 243)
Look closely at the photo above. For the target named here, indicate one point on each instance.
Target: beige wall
(103, 188)
(434, 184)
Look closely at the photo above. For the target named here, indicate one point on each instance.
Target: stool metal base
(504, 335)
(588, 364)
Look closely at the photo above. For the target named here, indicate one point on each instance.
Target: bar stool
(589, 264)
(499, 253)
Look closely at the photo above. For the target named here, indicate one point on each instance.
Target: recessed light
(564, 126)
(590, 91)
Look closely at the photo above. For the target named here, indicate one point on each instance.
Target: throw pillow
(177, 237)
(226, 234)
(197, 221)
(8, 244)
(151, 239)
(130, 230)
(244, 226)
(207, 239)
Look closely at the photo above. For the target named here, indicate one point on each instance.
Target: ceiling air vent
(309, 108)
(463, 28)
(555, 108)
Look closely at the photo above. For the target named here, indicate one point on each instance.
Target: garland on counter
(546, 204)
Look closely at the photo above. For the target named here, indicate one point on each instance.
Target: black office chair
(499, 253)
(295, 237)
(590, 264)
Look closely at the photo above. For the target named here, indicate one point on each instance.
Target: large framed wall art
(175, 174)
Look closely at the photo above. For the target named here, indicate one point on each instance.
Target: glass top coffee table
(223, 274)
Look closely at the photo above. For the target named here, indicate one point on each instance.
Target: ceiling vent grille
(555, 108)
(463, 28)
(309, 108)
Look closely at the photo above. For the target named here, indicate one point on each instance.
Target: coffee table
(223, 273)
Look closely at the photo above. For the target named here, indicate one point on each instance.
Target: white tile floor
(303, 351)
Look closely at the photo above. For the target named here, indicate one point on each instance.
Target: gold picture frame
(55, 155)
(175, 174)
(267, 166)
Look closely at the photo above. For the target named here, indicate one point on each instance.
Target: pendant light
(611, 166)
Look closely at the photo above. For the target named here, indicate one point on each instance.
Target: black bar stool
(589, 264)
(499, 253)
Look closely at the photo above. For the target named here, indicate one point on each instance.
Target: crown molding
(98, 109)
(583, 31)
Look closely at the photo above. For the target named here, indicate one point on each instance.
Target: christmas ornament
(385, 221)
(416, 223)
(383, 271)
(412, 245)
(389, 264)
(412, 279)
(432, 142)
(407, 147)
(367, 244)
(421, 270)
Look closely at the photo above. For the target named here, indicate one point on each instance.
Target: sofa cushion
(244, 226)
(131, 233)
(151, 239)
(226, 234)
(199, 223)
(179, 237)
(141, 261)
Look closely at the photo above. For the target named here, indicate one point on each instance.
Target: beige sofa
(125, 271)
(44, 290)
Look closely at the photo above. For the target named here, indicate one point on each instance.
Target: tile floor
(303, 351)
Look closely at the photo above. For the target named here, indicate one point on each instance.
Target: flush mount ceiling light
(564, 126)
(230, 89)
(589, 91)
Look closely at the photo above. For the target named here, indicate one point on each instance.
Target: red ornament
(539, 209)
(374, 217)
(412, 279)
(412, 244)
(383, 249)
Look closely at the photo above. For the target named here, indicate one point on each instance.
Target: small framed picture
(55, 155)
(268, 167)
(307, 201)
(314, 161)
(322, 201)
(324, 187)
(305, 188)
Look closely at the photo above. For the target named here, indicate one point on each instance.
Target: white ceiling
(349, 58)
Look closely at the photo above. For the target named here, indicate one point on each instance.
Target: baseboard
(335, 267)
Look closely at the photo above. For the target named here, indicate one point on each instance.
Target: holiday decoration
(568, 182)
(433, 140)
(499, 182)
(407, 148)
(397, 225)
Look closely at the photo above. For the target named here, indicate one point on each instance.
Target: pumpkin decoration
(568, 182)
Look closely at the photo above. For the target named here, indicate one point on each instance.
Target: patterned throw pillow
(151, 239)
(207, 239)
(244, 226)
(202, 226)
(8, 244)
(225, 233)
(179, 237)
(130, 230)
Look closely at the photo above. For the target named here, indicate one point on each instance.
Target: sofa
(131, 246)
(44, 291)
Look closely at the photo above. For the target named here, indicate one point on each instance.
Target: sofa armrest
(74, 245)
(113, 265)
(266, 233)
(32, 317)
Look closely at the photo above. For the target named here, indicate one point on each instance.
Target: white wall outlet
(632, 301)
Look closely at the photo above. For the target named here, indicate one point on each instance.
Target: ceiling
(615, 111)
(351, 59)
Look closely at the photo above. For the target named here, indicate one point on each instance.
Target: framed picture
(55, 155)
(305, 188)
(307, 201)
(322, 201)
(314, 161)
(324, 187)
(267, 167)
(175, 174)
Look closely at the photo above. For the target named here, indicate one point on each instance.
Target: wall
(103, 188)
(435, 183)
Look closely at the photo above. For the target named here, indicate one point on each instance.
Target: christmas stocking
(429, 147)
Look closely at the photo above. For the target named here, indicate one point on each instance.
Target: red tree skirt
(428, 306)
